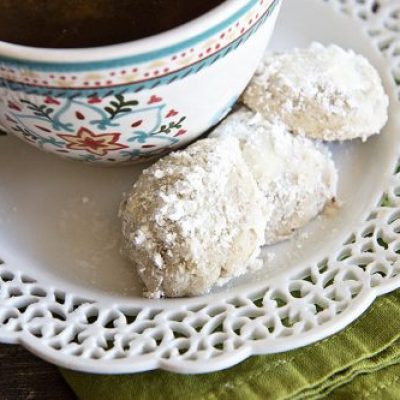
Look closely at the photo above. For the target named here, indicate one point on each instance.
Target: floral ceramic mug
(131, 101)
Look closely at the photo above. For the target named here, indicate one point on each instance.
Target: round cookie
(295, 174)
(321, 92)
(194, 219)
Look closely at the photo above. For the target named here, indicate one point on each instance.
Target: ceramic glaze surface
(136, 106)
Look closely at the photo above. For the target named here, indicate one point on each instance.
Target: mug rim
(192, 31)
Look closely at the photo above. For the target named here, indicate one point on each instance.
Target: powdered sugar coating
(323, 92)
(295, 174)
(193, 219)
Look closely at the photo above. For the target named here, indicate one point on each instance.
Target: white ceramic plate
(68, 296)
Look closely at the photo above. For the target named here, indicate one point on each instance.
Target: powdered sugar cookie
(323, 92)
(295, 174)
(194, 219)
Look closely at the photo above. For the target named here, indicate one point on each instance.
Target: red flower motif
(180, 132)
(94, 100)
(137, 123)
(51, 100)
(98, 144)
(13, 106)
(171, 113)
(154, 99)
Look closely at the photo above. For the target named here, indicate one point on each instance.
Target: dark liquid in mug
(89, 23)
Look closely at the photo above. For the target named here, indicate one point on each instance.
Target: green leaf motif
(40, 111)
(119, 106)
(170, 127)
(131, 103)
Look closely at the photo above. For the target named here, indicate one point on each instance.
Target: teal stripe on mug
(139, 86)
(135, 59)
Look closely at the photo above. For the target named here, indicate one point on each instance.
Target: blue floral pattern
(92, 127)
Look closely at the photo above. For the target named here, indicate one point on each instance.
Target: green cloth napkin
(362, 361)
